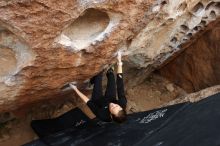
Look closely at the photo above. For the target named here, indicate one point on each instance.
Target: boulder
(198, 66)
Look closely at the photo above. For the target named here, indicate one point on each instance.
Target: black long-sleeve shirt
(100, 107)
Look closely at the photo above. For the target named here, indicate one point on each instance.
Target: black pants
(110, 92)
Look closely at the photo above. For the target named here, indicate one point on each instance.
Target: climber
(107, 108)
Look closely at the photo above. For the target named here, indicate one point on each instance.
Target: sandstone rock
(170, 87)
(198, 66)
(47, 44)
(195, 97)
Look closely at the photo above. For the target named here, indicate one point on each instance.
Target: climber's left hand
(74, 87)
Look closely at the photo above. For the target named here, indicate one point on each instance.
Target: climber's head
(117, 112)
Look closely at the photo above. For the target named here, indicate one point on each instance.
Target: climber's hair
(120, 117)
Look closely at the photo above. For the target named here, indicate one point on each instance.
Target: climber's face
(114, 108)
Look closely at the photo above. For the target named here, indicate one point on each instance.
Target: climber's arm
(119, 63)
(120, 84)
(90, 103)
(80, 94)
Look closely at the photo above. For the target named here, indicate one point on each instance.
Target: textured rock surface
(196, 96)
(198, 66)
(49, 43)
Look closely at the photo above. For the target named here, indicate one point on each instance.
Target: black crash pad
(187, 124)
(197, 125)
(95, 132)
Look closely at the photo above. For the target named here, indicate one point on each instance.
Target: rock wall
(46, 44)
(198, 66)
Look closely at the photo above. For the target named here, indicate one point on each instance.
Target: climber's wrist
(120, 63)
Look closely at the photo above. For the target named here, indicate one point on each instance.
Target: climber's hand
(73, 86)
(80, 94)
(119, 56)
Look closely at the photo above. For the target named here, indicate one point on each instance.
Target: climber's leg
(97, 89)
(110, 92)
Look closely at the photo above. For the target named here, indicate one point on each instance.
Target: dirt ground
(152, 93)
